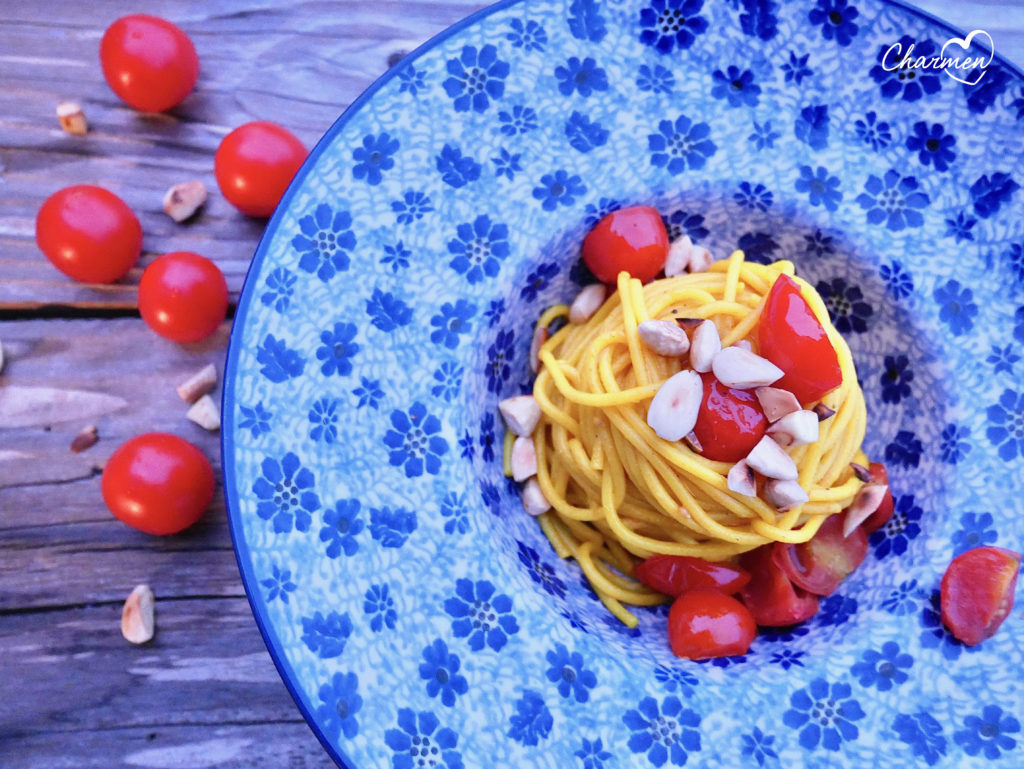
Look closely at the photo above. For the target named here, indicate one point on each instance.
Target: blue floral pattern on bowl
(418, 616)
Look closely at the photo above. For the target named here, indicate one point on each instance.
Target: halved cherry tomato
(675, 574)
(149, 62)
(183, 296)
(631, 239)
(773, 600)
(158, 483)
(883, 513)
(730, 421)
(705, 623)
(790, 336)
(254, 165)
(977, 592)
(89, 233)
(823, 562)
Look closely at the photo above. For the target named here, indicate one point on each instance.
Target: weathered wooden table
(204, 692)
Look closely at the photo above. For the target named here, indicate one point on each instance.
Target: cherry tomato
(977, 592)
(790, 336)
(730, 421)
(148, 62)
(254, 165)
(773, 600)
(822, 563)
(883, 513)
(88, 233)
(675, 574)
(631, 239)
(705, 623)
(158, 483)
(183, 296)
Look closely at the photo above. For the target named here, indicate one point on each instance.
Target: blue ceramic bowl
(417, 615)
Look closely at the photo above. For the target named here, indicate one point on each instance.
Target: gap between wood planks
(78, 312)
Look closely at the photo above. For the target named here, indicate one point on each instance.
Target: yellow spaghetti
(618, 492)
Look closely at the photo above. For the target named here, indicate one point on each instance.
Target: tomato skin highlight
(254, 165)
(149, 62)
(676, 574)
(977, 592)
(730, 421)
(158, 483)
(772, 599)
(821, 564)
(881, 516)
(183, 296)
(791, 337)
(631, 239)
(89, 233)
(705, 623)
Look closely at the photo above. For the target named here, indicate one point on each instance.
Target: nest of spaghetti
(619, 492)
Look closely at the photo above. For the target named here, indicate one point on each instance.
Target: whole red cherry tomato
(705, 623)
(183, 296)
(254, 165)
(977, 592)
(148, 62)
(883, 513)
(791, 337)
(88, 233)
(158, 483)
(773, 600)
(823, 562)
(675, 574)
(730, 421)
(631, 239)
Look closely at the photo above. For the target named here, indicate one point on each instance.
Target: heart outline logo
(965, 43)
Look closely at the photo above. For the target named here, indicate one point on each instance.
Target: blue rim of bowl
(239, 544)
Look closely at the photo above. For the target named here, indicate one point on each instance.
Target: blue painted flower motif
(670, 24)
(680, 145)
(846, 305)
(934, 634)
(894, 75)
(755, 197)
(872, 131)
(759, 247)
(904, 450)
(341, 527)
(396, 257)
(666, 732)
(324, 417)
(796, 68)
(821, 188)
(956, 307)
(1002, 359)
(987, 88)
(1014, 257)
(989, 733)
(558, 189)
(532, 720)
(280, 287)
(933, 145)
(494, 312)
(1018, 324)
(440, 669)
(488, 438)
(499, 357)
(369, 393)
(582, 77)
(898, 280)
(975, 530)
(759, 746)
(324, 242)
(337, 349)
(456, 169)
(475, 77)
(491, 497)
(584, 134)
(412, 207)
(521, 119)
(787, 658)
(894, 200)
(811, 127)
(414, 442)
(453, 510)
(568, 670)
(480, 615)
(279, 362)
(923, 734)
(255, 419)
(279, 584)
(735, 86)
(675, 678)
(819, 244)
(528, 35)
(449, 378)
(783, 635)
(953, 443)
(326, 636)
(960, 228)
(824, 713)
(479, 248)
(453, 320)
(763, 136)
(340, 703)
(655, 79)
(379, 606)
(418, 742)
(540, 572)
(391, 527)
(836, 18)
(374, 158)
(835, 610)
(387, 312)
(592, 754)
(759, 18)
(904, 525)
(680, 223)
(585, 21)
(285, 491)
(538, 280)
(507, 164)
(411, 80)
(903, 599)
(896, 379)
(990, 192)
(884, 668)
(1006, 425)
